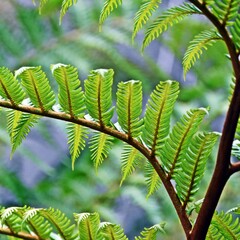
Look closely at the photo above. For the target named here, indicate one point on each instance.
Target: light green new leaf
(194, 50)
(10, 88)
(152, 232)
(100, 145)
(19, 125)
(108, 7)
(129, 107)
(110, 231)
(158, 113)
(88, 224)
(224, 226)
(152, 179)
(71, 96)
(130, 158)
(37, 86)
(143, 14)
(66, 4)
(98, 95)
(193, 165)
(76, 140)
(174, 150)
(168, 18)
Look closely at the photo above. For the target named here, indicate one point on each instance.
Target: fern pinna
(168, 151)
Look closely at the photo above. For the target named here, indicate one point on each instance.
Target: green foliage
(224, 226)
(151, 233)
(235, 31)
(201, 41)
(66, 4)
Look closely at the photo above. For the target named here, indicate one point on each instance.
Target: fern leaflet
(158, 113)
(100, 145)
(10, 89)
(152, 232)
(201, 41)
(235, 31)
(143, 15)
(111, 231)
(88, 224)
(168, 18)
(66, 4)
(37, 87)
(223, 226)
(129, 107)
(193, 166)
(108, 7)
(174, 149)
(76, 140)
(98, 94)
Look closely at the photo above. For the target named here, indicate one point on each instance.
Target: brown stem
(223, 169)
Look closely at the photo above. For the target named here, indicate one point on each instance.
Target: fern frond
(88, 224)
(193, 165)
(129, 107)
(152, 179)
(143, 14)
(42, 4)
(174, 149)
(236, 149)
(37, 87)
(100, 145)
(235, 31)
(98, 94)
(110, 231)
(37, 224)
(225, 10)
(71, 97)
(194, 50)
(10, 88)
(19, 124)
(108, 7)
(76, 140)
(152, 232)
(62, 224)
(130, 158)
(66, 4)
(223, 226)
(168, 18)
(158, 113)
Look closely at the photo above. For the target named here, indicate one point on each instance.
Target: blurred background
(40, 172)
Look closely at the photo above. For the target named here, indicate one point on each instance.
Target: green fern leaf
(193, 165)
(152, 179)
(88, 224)
(10, 89)
(225, 10)
(143, 15)
(71, 97)
(60, 222)
(236, 149)
(158, 113)
(37, 86)
(110, 231)
(174, 149)
(37, 224)
(235, 31)
(42, 4)
(76, 140)
(223, 226)
(200, 42)
(66, 4)
(98, 94)
(152, 232)
(19, 125)
(108, 7)
(168, 18)
(130, 158)
(129, 107)
(100, 145)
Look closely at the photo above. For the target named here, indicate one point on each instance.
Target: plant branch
(22, 235)
(222, 170)
(235, 167)
(120, 135)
